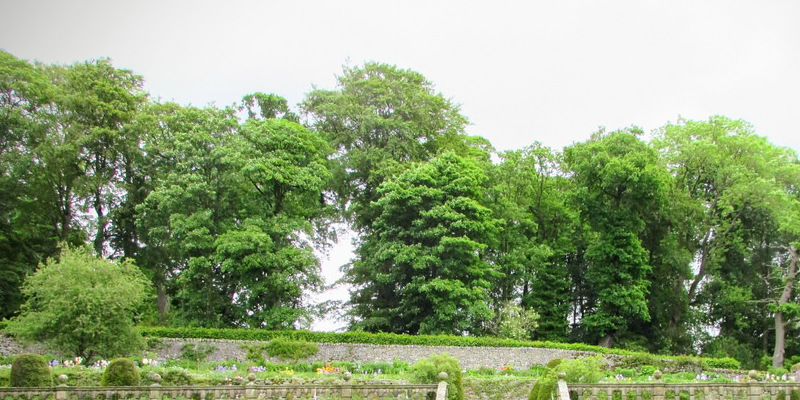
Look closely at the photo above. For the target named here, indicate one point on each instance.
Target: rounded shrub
(427, 370)
(30, 370)
(120, 372)
(582, 370)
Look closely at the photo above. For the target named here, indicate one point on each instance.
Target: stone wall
(469, 357)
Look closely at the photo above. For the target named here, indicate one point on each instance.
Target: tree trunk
(607, 341)
(780, 324)
(162, 301)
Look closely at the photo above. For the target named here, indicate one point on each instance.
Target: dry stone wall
(469, 357)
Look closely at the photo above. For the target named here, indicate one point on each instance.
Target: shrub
(176, 377)
(583, 370)
(120, 372)
(723, 363)
(83, 305)
(30, 370)
(290, 349)
(5, 377)
(626, 372)
(196, 351)
(647, 370)
(427, 370)
(554, 363)
(254, 353)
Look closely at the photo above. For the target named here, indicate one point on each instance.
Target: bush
(722, 363)
(290, 349)
(83, 305)
(647, 370)
(196, 351)
(30, 370)
(176, 377)
(554, 363)
(583, 370)
(427, 370)
(120, 372)
(254, 353)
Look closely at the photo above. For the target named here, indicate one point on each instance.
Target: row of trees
(680, 241)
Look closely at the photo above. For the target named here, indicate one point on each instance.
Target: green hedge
(363, 338)
(675, 362)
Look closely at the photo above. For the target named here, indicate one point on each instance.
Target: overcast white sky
(523, 71)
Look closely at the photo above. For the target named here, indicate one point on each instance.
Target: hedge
(417, 340)
(363, 338)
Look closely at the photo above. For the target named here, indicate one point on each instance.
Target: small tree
(82, 305)
(516, 322)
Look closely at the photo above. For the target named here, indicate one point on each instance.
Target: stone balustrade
(250, 391)
(657, 390)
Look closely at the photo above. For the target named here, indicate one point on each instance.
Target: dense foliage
(120, 372)
(580, 370)
(30, 370)
(679, 240)
(290, 349)
(427, 370)
(83, 305)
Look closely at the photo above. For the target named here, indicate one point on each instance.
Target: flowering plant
(327, 369)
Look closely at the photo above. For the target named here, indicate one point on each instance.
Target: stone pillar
(347, 388)
(441, 390)
(563, 390)
(61, 394)
(659, 389)
(753, 392)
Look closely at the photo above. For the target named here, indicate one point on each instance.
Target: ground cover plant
(191, 372)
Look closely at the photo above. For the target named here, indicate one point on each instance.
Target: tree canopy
(679, 240)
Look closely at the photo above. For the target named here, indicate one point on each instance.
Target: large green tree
(736, 190)
(619, 184)
(229, 222)
(528, 195)
(379, 119)
(26, 235)
(428, 273)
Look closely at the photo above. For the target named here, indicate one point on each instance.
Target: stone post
(61, 394)
(752, 385)
(563, 390)
(347, 388)
(250, 390)
(441, 390)
(155, 387)
(659, 390)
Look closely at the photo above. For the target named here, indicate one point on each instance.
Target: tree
(229, 223)
(427, 273)
(528, 194)
(83, 305)
(380, 119)
(26, 234)
(619, 185)
(516, 322)
(739, 195)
